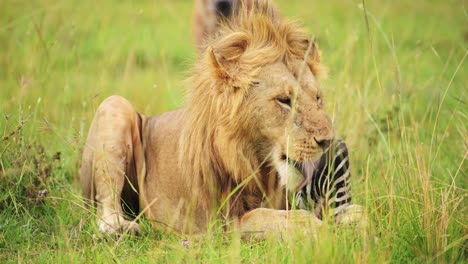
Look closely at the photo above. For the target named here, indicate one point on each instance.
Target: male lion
(254, 99)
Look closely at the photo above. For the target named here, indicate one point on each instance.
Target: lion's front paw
(261, 223)
(353, 214)
(118, 225)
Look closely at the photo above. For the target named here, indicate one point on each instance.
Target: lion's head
(255, 100)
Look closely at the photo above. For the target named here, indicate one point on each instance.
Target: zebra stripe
(330, 184)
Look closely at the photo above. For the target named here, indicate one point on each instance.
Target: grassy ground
(397, 90)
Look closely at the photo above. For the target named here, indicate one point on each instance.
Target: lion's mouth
(306, 168)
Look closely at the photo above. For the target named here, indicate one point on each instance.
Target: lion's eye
(284, 101)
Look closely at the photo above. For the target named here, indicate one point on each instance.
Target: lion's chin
(293, 174)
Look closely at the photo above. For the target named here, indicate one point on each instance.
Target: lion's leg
(262, 222)
(109, 162)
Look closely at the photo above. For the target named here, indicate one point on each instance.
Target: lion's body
(151, 165)
(161, 136)
(254, 99)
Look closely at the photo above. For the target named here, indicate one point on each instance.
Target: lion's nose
(224, 7)
(322, 142)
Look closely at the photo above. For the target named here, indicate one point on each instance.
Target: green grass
(397, 90)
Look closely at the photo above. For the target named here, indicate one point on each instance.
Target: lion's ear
(313, 60)
(224, 58)
(314, 54)
(216, 63)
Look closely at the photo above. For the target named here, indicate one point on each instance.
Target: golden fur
(254, 38)
(254, 98)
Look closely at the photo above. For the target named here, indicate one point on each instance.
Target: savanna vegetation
(397, 90)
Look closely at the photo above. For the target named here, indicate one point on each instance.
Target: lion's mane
(219, 147)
